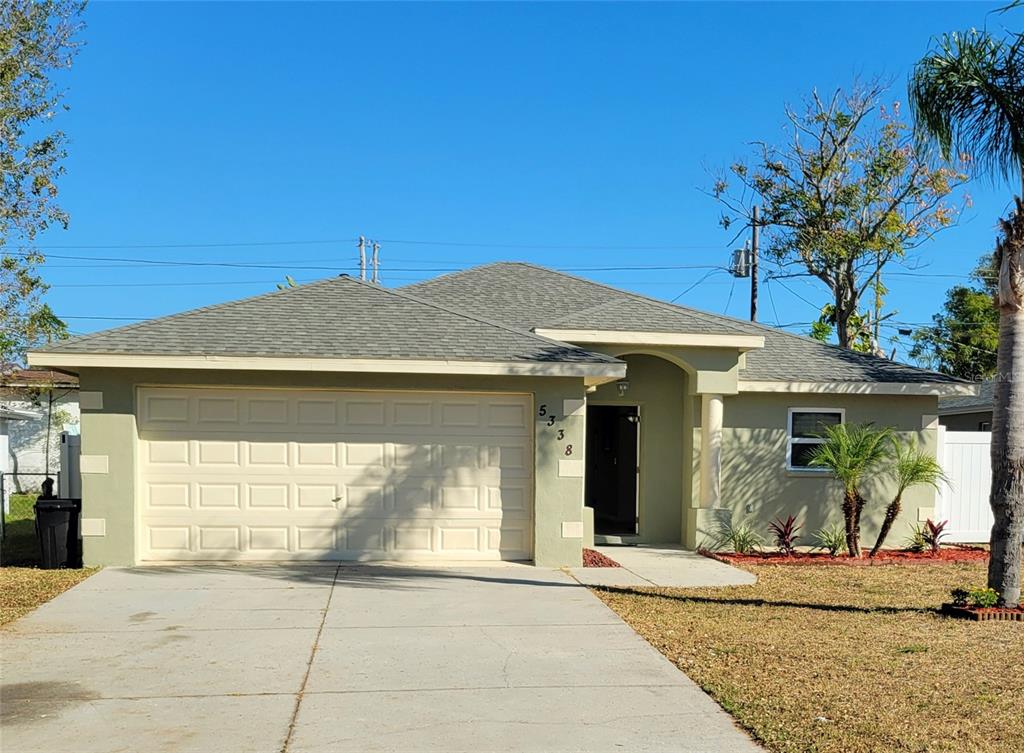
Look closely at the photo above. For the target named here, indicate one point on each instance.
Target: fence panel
(965, 458)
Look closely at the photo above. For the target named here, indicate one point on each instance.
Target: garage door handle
(336, 499)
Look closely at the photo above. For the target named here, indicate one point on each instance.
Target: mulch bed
(593, 558)
(885, 557)
(983, 614)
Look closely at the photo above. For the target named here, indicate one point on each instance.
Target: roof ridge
(741, 322)
(473, 317)
(707, 316)
(191, 312)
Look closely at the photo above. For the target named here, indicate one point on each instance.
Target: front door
(612, 442)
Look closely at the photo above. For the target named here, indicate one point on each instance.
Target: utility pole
(376, 263)
(755, 227)
(362, 258)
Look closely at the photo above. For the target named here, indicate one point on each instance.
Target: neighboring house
(969, 412)
(466, 417)
(26, 415)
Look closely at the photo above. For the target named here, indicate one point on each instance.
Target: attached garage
(337, 420)
(262, 474)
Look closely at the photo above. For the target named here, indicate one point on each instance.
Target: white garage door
(287, 474)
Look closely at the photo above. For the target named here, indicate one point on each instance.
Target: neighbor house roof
(530, 296)
(39, 378)
(337, 318)
(981, 402)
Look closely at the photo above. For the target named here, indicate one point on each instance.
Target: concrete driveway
(300, 659)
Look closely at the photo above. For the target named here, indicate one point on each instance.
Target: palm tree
(851, 452)
(910, 467)
(968, 97)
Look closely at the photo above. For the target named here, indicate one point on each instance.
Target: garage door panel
(278, 474)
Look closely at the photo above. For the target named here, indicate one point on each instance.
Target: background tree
(968, 96)
(846, 195)
(37, 39)
(962, 340)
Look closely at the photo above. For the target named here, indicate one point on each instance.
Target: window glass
(807, 431)
(812, 425)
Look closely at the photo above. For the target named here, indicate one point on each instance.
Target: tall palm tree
(967, 95)
(911, 466)
(851, 452)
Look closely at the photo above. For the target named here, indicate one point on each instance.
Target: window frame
(791, 440)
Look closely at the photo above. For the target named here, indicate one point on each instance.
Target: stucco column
(711, 412)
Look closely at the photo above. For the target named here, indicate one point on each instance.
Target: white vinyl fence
(964, 456)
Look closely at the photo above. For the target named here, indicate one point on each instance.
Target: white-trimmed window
(806, 430)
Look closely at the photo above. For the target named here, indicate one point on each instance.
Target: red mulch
(593, 558)
(885, 557)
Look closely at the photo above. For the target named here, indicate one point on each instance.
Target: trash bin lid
(56, 503)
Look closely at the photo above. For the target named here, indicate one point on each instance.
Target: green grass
(20, 546)
(844, 660)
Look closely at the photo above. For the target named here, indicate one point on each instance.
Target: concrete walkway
(318, 659)
(665, 566)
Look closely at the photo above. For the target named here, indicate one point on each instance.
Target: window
(984, 426)
(807, 431)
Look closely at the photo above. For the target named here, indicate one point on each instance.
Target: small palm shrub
(740, 537)
(785, 533)
(909, 467)
(832, 539)
(852, 452)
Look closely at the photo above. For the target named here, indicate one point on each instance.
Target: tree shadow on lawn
(754, 602)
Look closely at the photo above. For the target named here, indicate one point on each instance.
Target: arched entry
(637, 434)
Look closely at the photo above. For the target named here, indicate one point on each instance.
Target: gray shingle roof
(334, 318)
(983, 401)
(529, 296)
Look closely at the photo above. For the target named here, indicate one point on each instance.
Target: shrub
(960, 596)
(917, 541)
(785, 533)
(740, 537)
(983, 597)
(934, 533)
(832, 539)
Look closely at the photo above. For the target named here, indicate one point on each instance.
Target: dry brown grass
(844, 659)
(22, 589)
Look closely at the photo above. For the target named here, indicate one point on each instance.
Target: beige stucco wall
(758, 488)
(110, 432)
(966, 421)
(659, 389)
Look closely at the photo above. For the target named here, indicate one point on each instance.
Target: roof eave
(591, 372)
(668, 339)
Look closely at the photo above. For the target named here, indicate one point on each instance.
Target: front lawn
(23, 586)
(848, 660)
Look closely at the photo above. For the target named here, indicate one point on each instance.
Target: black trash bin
(57, 523)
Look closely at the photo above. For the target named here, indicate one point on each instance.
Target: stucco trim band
(862, 388)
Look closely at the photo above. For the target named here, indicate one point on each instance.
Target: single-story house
(507, 411)
(969, 412)
(34, 405)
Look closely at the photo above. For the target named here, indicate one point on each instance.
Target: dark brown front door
(610, 483)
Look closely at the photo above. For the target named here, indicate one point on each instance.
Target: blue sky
(568, 135)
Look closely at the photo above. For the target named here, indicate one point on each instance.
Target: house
(969, 412)
(34, 405)
(466, 417)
